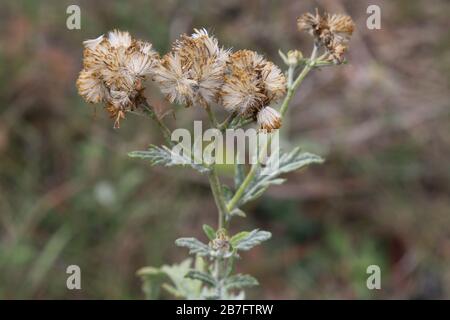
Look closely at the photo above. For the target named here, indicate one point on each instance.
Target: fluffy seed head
(193, 72)
(114, 68)
(251, 83)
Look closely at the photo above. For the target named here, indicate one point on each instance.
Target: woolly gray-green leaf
(168, 157)
(238, 212)
(194, 246)
(269, 174)
(152, 279)
(239, 281)
(251, 239)
(238, 237)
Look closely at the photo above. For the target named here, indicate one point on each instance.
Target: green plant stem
(218, 275)
(214, 181)
(219, 199)
(290, 77)
(216, 189)
(248, 179)
(292, 88)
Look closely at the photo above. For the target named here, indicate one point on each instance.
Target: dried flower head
(192, 73)
(310, 23)
(329, 31)
(114, 70)
(268, 119)
(341, 26)
(251, 83)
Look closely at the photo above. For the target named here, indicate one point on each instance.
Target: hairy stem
(216, 189)
(218, 275)
(214, 181)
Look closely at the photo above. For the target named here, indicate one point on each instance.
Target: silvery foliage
(200, 280)
(269, 174)
(192, 281)
(167, 157)
(243, 241)
(247, 240)
(172, 279)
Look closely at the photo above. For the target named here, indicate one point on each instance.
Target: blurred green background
(70, 195)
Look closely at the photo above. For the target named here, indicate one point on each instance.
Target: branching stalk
(292, 88)
(218, 196)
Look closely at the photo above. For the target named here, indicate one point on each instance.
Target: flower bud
(294, 57)
(268, 119)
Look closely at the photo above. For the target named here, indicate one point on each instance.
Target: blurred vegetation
(69, 194)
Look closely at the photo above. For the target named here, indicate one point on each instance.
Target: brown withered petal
(340, 26)
(309, 23)
(91, 87)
